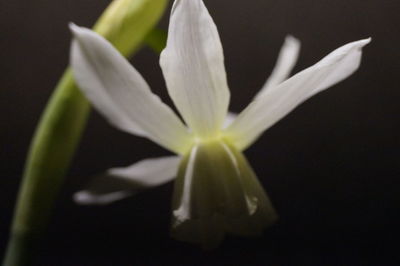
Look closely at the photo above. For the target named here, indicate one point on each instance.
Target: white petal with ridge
(120, 93)
(193, 67)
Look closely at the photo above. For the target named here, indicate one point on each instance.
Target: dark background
(331, 167)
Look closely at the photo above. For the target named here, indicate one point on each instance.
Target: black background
(331, 167)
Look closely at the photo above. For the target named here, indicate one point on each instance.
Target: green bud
(217, 192)
(125, 23)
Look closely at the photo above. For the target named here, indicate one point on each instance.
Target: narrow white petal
(280, 100)
(193, 67)
(183, 212)
(120, 93)
(119, 183)
(346, 68)
(149, 172)
(287, 59)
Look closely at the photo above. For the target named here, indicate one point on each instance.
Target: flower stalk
(50, 154)
(125, 23)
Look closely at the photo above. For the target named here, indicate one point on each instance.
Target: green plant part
(126, 23)
(217, 192)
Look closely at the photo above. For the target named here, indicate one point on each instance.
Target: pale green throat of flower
(216, 191)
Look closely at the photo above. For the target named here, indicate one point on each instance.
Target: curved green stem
(51, 151)
(59, 132)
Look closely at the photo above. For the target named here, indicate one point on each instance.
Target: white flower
(215, 191)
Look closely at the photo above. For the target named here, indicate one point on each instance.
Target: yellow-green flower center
(217, 192)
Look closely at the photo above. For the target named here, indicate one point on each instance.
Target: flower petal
(193, 67)
(280, 100)
(120, 93)
(230, 117)
(119, 183)
(287, 59)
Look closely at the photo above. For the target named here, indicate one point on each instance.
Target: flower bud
(125, 23)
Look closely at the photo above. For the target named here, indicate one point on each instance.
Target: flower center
(216, 191)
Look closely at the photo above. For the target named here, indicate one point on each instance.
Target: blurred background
(331, 167)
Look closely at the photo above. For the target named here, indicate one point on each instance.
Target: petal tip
(78, 31)
(290, 39)
(363, 42)
(82, 198)
(368, 40)
(86, 197)
(73, 28)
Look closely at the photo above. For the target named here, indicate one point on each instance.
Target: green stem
(51, 151)
(53, 146)
(156, 40)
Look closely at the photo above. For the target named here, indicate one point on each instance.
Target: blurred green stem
(59, 132)
(53, 145)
